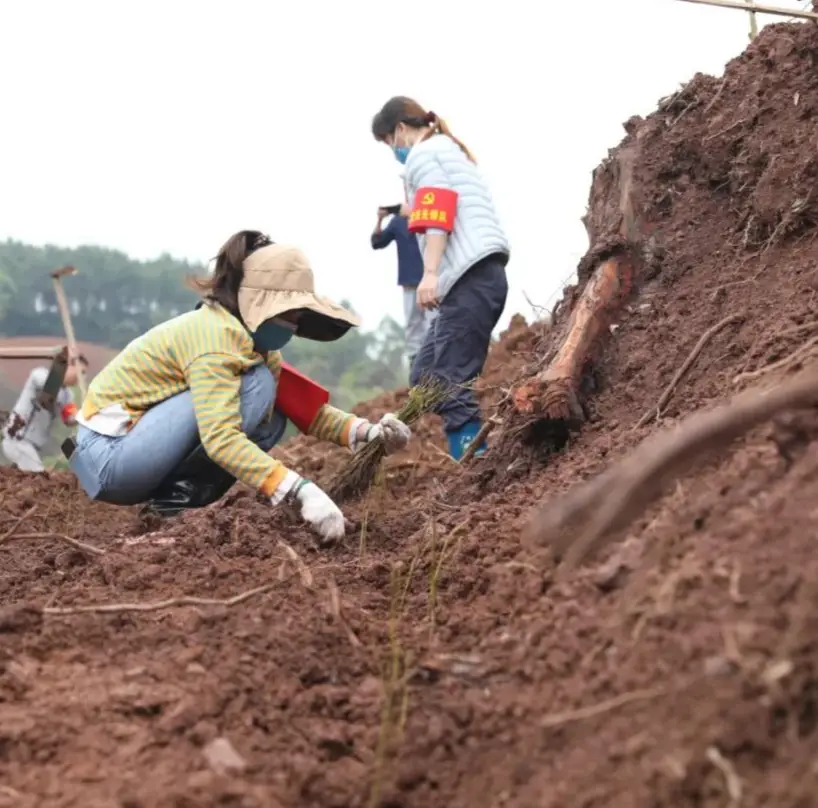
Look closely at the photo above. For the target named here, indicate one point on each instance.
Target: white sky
(166, 126)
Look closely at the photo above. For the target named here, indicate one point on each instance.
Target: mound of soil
(432, 659)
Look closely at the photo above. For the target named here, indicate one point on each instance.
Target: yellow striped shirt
(204, 351)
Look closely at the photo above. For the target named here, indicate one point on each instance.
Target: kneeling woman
(189, 407)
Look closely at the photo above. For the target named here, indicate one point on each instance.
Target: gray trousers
(417, 322)
(459, 337)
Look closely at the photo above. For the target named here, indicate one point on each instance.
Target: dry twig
(725, 130)
(734, 587)
(478, 439)
(444, 455)
(569, 716)
(768, 339)
(19, 521)
(337, 613)
(75, 543)
(155, 606)
(799, 353)
(723, 287)
(715, 98)
(592, 514)
(731, 779)
(303, 569)
(686, 365)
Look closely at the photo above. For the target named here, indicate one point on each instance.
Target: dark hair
(223, 285)
(81, 358)
(401, 109)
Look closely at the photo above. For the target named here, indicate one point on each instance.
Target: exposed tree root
(591, 515)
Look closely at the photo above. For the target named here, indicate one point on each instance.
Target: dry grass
(395, 708)
(399, 664)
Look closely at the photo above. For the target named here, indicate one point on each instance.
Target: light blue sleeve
(427, 170)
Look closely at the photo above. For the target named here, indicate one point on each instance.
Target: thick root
(554, 393)
(554, 399)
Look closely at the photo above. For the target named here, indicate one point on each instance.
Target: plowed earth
(433, 660)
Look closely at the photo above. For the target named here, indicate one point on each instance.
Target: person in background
(29, 424)
(410, 272)
(190, 406)
(465, 251)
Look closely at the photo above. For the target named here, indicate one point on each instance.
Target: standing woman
(465, 252)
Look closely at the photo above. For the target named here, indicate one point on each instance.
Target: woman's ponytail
(404, 110)
(440, 127)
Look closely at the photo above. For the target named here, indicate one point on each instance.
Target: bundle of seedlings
(359, 473)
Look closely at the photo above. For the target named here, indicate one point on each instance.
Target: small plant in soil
(362, 469)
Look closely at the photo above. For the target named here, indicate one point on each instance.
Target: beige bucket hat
(277, 279)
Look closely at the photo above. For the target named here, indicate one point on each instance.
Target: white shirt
(37, 422)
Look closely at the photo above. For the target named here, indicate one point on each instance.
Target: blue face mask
(401, 153)
(270, 336)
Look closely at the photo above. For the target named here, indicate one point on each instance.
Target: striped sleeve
(273, 362)
(215, 385)
(332, 425)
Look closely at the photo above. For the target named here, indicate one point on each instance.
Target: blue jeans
(128, 469)
(457, 342)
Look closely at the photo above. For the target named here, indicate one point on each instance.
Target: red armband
(299, 398)
(69, 411)
(435, 208)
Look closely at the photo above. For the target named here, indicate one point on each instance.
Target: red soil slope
(433, 660)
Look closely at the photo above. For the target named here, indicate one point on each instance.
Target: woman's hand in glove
(317, 509)
(394, 433)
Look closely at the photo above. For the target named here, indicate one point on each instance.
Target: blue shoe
(461, 439)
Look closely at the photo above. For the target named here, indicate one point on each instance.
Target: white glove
(394, 433)
(317, 509)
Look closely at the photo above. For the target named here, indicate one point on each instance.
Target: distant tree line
(114, 299)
